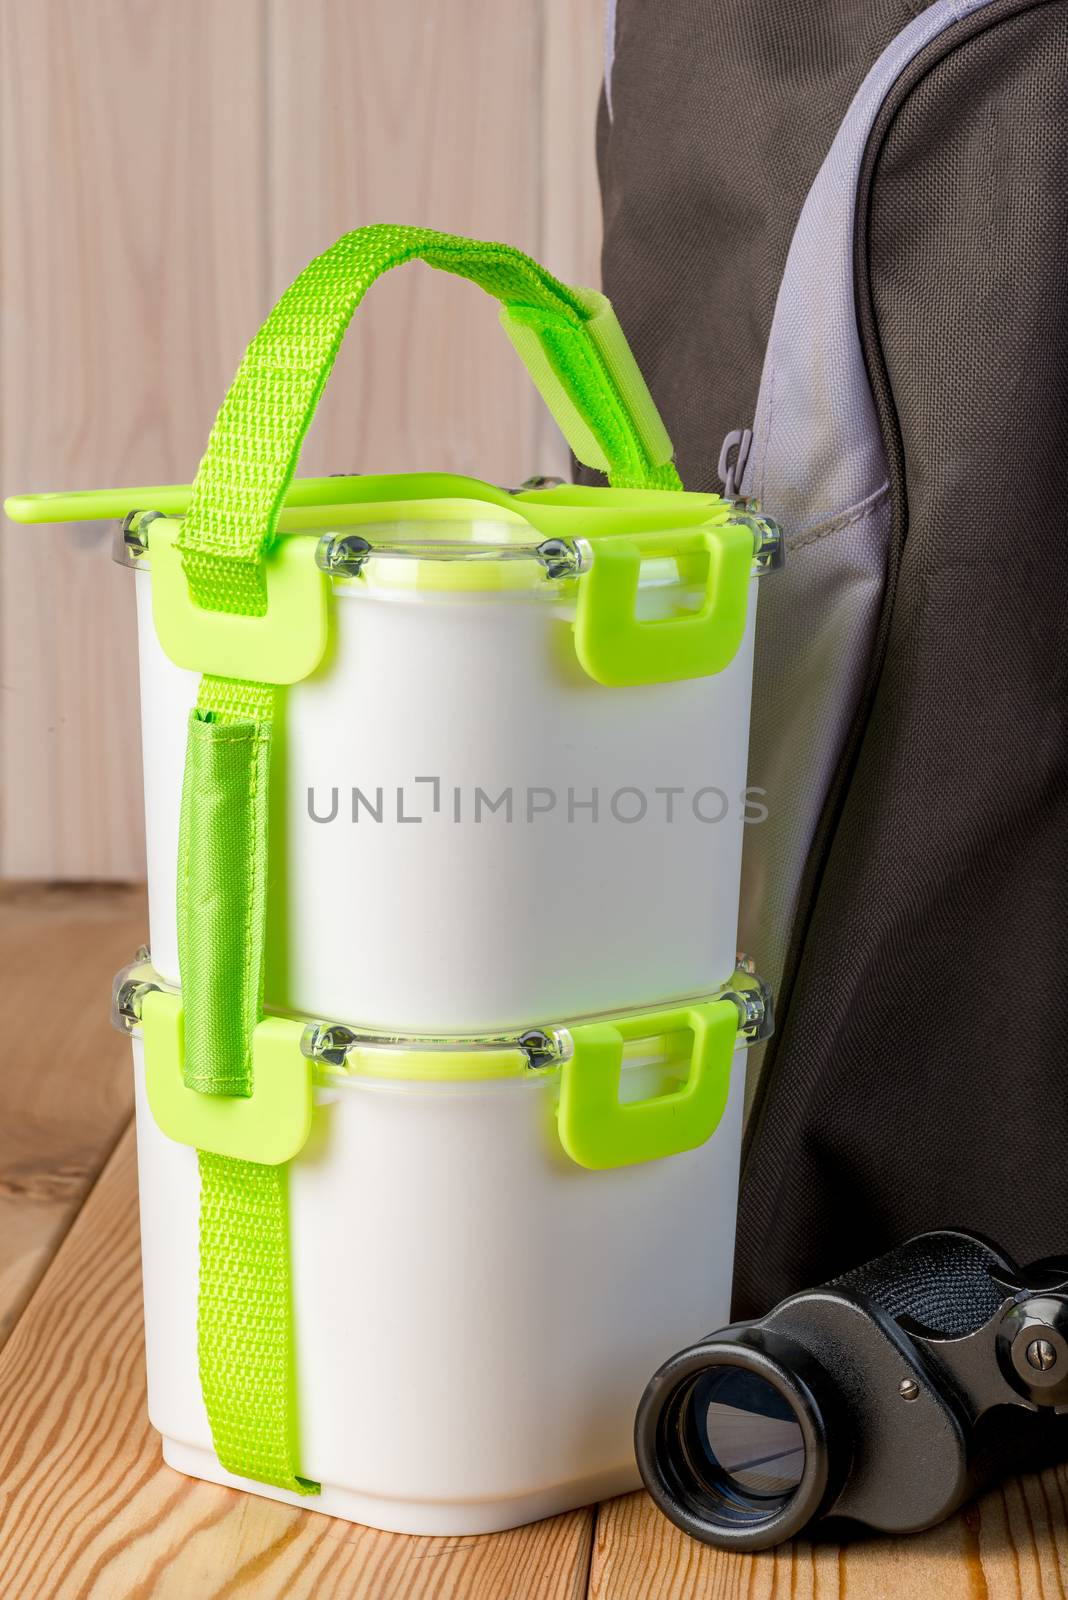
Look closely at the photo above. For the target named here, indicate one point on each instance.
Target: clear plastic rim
(331, 1042)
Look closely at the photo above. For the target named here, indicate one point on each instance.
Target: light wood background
(166, 167)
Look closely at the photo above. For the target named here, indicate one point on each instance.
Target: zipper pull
(731, 472)
(769, 546)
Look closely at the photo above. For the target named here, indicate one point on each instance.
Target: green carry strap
(577, 355)
(245, 1334)
(569, 339)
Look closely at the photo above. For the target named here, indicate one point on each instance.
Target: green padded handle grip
(569, 339)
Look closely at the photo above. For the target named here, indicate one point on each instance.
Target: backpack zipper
(732, 471)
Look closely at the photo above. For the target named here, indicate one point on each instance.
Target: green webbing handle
(568, 338)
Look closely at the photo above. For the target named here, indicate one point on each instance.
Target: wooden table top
(87, 1507)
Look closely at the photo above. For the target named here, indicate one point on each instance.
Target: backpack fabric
(844, 226)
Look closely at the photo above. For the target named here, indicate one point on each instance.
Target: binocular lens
(748, 1435)
(731, 1441)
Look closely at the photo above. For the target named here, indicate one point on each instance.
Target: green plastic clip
(269, 1126)
(616, 648)
(597, 1131)
(285, 645)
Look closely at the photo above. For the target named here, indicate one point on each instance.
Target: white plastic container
(475, 1314)
(494, 785)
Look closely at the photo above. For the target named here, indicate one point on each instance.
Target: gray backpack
(836, 237)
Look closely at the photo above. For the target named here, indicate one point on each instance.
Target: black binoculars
(887, 1396)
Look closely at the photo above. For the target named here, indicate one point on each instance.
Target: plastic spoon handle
(102, 505)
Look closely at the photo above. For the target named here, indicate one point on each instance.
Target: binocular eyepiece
(887, 1396)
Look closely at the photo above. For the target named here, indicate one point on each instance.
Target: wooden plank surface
(396, 111)
(1011, 1545)
(570, 230)
(131, 232)
(90, 1511)
(65, 1086)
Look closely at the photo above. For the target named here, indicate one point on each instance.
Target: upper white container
(468, 830)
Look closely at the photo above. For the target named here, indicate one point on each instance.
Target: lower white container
(476, 1315)
(450, 770)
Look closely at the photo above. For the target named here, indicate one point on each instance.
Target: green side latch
(269, 1126)
(598, 1131)
(285, 645)
(617, 648)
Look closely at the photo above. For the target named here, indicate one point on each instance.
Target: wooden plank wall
(164, 171)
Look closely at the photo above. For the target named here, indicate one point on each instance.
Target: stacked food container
(475, 928)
